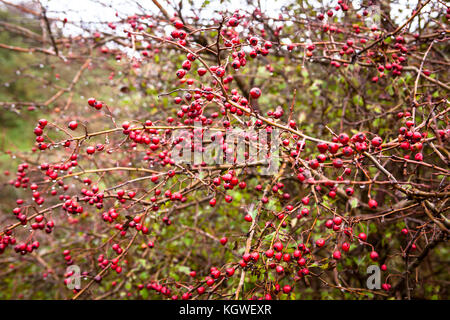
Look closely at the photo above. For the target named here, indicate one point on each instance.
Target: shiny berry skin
(347, 151)
(255, 256)
(374, 256)
(255, 93)
(278, 246)
(91, 101)
(201, 290)
(372, 204)
(181, 73)
(253, 41)
(349, 191)
(230, 272)
(201, 71)
(343, 138)
(287, 289)
(337, 255)
(42, 123)
(269, 253)
(178, 24)
(418, 157)
(320, 242)
(220, 72)
(337, 220)
(362, 236)
(223, 241)
(337, 163)
(377, 141)
(186, 65)
(73, 125)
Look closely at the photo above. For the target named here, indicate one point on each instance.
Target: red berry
(201, 71)
(73, 125)
(278, 246)
(345, 246)
(374, 255)
(230, 271)
(178, 24)
(42, 123)
(255, 93)
(91, 101)
(376, 142)
(337, 220)
(362, 236)
(320, 242)
(372, 204)
(269, 253)
(223, 241)
(287, 289)
(337, 255)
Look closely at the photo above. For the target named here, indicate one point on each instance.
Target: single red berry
(91, 101)
(269, 253)
(255, 93)
(201, 71)
(178, 24)
(278, 246)
(230, 271)
(337, 220)
(42, 123)
(337, 255)
(377, 141)
(73, 125)
(349, 191)
(362, 236)
(372, 204)
(345, 246)
(287, 289)
(320, 242)
(374, 256)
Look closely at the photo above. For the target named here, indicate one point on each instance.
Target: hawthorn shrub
(357, 96)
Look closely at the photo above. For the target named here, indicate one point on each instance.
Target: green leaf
(184, 269)
(143, 276)
(144, 293)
